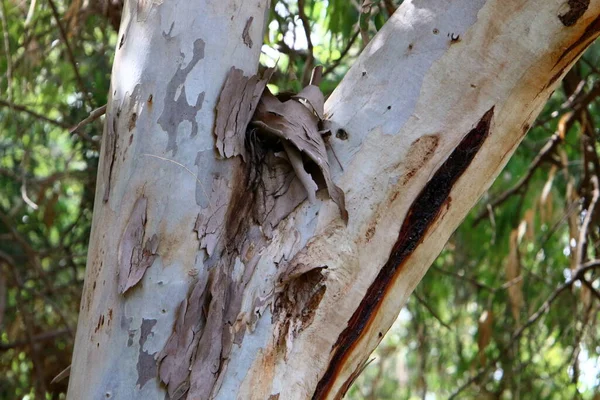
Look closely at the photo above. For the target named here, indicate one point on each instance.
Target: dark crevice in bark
(421, 216)
(576, 10)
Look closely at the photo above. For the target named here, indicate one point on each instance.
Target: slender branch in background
(472, 281)
(40, 387)
(7, 53)
(583, 232)
(2, 296)
(310, 60)
(543, 155)
(63, 35)
(593, 290)
(389, 7)
(433, 313)
(578, 275)
(42, 337)
(363, 21)
(343, 54)
(34, 114)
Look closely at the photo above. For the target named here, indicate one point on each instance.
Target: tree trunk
(201, 285)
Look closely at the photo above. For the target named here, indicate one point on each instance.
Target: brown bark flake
(420, 217)
(134, 256)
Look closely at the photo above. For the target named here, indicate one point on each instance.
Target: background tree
(472, 325)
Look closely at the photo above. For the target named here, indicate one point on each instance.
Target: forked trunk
(204, 281)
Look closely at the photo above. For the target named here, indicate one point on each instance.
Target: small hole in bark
(410, 46)
(341, 134)
(364, 73)
(122, 41)
(436, 31)
(389, 107)
(163, 311)
(380, 334)
(108, 395)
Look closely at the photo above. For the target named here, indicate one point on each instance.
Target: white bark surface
(437, 72)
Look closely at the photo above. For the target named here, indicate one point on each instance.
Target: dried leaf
(513, 271)
(314, 97)
(546, 206)
(484, 334)
(529, 219)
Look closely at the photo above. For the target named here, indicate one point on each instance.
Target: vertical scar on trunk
(423, 212)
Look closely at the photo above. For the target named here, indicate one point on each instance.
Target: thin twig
(542, 156)
(308, 64)
(433, 313)
(581, 241)
(63, 35)
(343, 54)
(34, 114)
(94, 115)
(577, 275)
(7, 53)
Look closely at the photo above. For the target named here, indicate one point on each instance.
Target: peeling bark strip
(238, 100)
(421, 215)
(134, 257)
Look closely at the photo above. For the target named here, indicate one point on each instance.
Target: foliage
(471, 329)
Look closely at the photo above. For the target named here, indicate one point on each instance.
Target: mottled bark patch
(422, 214)
(146, 365)
(134, 256)
(576, 10)
(176, 108)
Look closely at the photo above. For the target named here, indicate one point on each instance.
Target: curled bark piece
(294, 121)
(237, 102)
